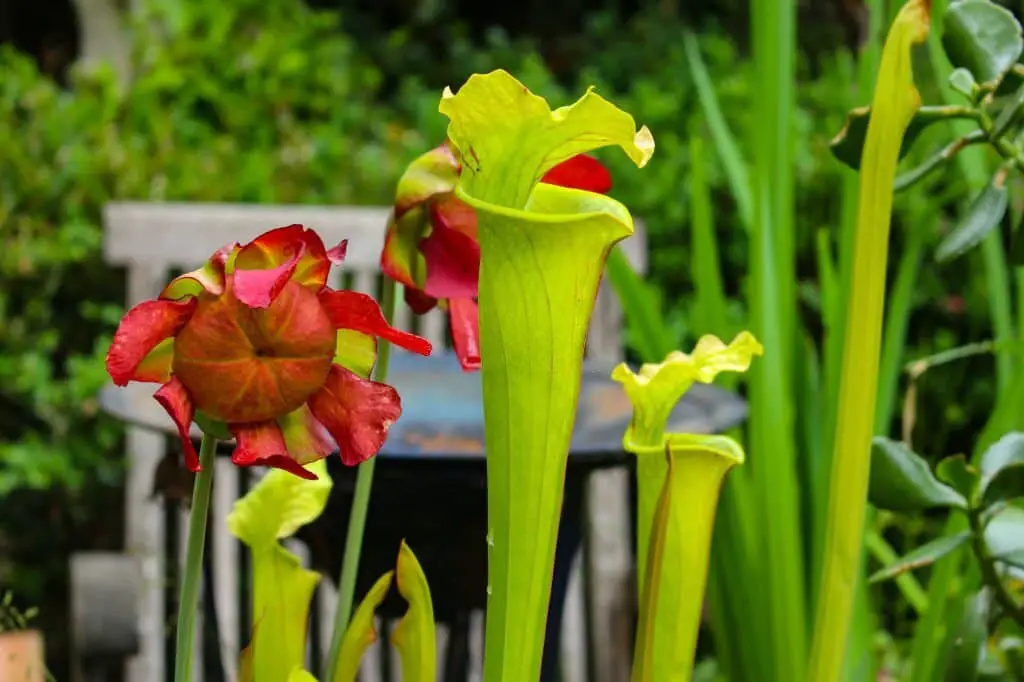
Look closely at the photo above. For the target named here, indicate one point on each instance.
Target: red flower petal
(280, 246)
(465, 325)
(353, 310)
(337, 254)
(156, 366)
(580, 172)
(176, 400)
(141, 330)
(263, 444)
(451, 251)
(259, 288)
(356, 412)
(418, 301)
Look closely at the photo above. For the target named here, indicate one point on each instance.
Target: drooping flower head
(432, 248)
(256, 341)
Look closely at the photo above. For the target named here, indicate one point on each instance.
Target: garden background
(327, 102)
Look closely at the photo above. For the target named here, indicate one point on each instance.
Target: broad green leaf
(1006, 452)
(925, 555)
(962, 81)
(1004, 536)
(654, 392)
(958, 474)
(542, 254)
(938, 159)
(508, 137)
(968, 642)
(1008, 484)
(415, 636)
(983, 215)
(672, 598)
(361, 632)
(1009, 114)
(901, 480)
(282, 590)
(981, 37)
(279, 505)
(848, 144)
(301, 675)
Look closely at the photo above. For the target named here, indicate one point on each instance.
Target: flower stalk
(188, 600)
(360, 504)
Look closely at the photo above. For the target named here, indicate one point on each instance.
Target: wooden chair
(155, 240)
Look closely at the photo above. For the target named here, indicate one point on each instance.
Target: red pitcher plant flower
(256, 341)
(431, 246)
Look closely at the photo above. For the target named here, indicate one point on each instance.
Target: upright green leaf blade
(984, 214)
(981, 37)
(361, 632)
(415, 636)
(901, 480)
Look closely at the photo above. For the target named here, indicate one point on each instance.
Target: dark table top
(442, 410)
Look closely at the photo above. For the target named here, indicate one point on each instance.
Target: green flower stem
(988, 570)
(651, 472)
(189, 597)
(360, 505)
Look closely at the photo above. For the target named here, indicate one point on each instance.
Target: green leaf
(981, 37)
(1004, 535)
(654, 392)
(848, 144)
(542, 255)
(958, 474)
(361, 633)
(279, 505)
(415, 635)
(962, 81)
(983, 215)
(968, 646)
(672, 591)
(1002, 470)
(938, 159)
(282, 590)
(925, 555)
(508, 137)
(901, 480)
(301, 675)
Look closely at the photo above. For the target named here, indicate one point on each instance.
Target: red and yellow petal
(277, 247)
(356, 351)
(400, 259)
(306, 438)
(259, 288)
(432, 173)
(156, 366)
(209, 278)
(580, 172)
(141, 330)
(356, 412)
(464, 321)
(418, 301)
(359, 312)
(263, 444)
(451, 252)
(175, 399)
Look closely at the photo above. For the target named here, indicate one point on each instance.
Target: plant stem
(189, 598)
(988, 570)
(360, 506)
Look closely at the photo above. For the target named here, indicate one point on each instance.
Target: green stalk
(360, 504)
(895, 102)
(188, 601)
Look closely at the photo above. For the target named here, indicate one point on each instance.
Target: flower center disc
(244, 364)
